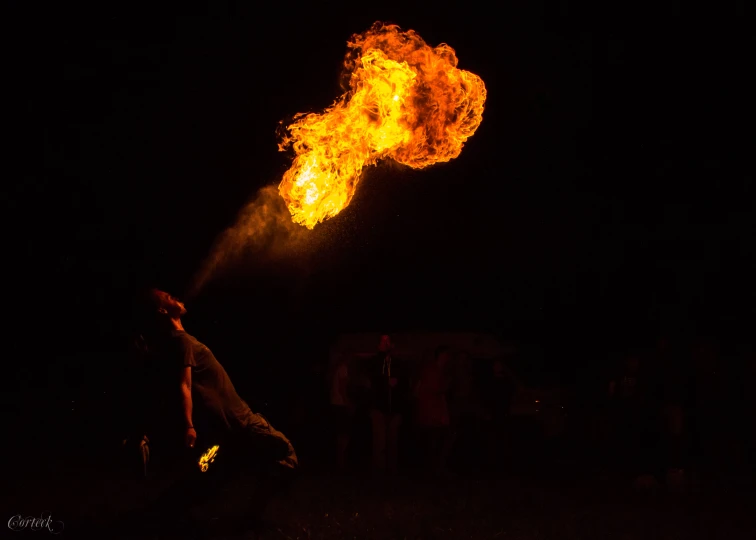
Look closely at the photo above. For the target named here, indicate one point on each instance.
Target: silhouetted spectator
(749, 413)
(625, 386)
(499, 391)
(468, 415)
(710, 412)
(674, 396)
(633, 418)
(342, 409)
(389, 403)
(466, 401)
(432, 409)
(308, 402)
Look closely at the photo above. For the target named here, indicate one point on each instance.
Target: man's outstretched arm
(186, 401)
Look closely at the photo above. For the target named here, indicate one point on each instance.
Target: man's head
(443, 356)
(385, 345)
(166, 305)
(632, 363)
(464, 362)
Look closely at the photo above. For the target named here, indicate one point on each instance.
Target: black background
(606, 197)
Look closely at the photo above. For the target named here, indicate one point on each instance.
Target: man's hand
(393, 381)
(191, 437)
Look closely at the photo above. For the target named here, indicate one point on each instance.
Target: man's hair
(148, 302)
(145, 310)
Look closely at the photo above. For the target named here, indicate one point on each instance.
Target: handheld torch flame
(405, 100)
(207, 458)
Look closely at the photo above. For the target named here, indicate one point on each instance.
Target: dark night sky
(606, 190)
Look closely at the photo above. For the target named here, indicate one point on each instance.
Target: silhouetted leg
(378, 421)
(446, 443)
(256, 466)
(342, 444)
(392, 443)
(341, 421)
(272, 445)
(431, 448)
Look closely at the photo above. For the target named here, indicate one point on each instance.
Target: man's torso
(213, 393)
(388, 398)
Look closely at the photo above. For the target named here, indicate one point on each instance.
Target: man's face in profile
(385, 345)
(168, 305)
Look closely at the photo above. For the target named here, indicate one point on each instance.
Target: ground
(530, 504)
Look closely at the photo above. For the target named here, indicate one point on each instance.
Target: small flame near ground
(208, 457)
(405, 101)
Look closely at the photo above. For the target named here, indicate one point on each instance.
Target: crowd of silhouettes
(678, 414)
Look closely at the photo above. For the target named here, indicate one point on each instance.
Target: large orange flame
(405, 100)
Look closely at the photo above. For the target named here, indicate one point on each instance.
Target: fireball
(405, 101)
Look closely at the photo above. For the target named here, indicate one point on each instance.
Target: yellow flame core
(406, 101)
(208, 457)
